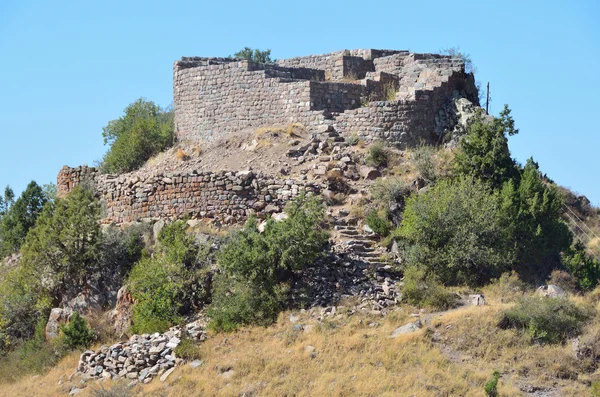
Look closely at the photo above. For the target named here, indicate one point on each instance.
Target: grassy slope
(454, 355)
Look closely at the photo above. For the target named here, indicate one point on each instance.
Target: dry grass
(293, 130)
(454, 355)
(181, 155)
(46, 385)
(593, 246)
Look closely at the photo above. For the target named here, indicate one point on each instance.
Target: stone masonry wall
(227, 197)
(214, 97)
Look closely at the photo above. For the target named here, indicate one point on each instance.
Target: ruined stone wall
(215, 99)
(68, 178)
(332, 63)
(406, 122)
(336, 97)
(227, 197)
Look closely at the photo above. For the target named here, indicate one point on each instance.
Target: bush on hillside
(546, 320)
(508, 287)
(531, 210)
(174, 281)
(145, 130)
(171, 283)
(378, 155)
(455, 232)
(76, 332)
(379, 223)
(63, 248)
(422, 290)
(256, 266)
(585, 268)
(424, 161)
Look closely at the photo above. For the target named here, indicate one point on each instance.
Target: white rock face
(551, 291)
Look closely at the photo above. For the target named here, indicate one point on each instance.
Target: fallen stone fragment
(406, 329)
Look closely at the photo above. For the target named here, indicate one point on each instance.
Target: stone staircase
(357, 243)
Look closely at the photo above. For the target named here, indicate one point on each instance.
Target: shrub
(507, 287)
(378, 223)
(385, 191)
(423, 159)
(353, 139)
(76, 332)
(188, 349)
(546, 320)
(378, 155)
(256, 266)
(255, 55)
(564, 280)
(585, 268)
(455, 232)
(171, 283)
(145, 130)
(420, 290)
(491, 387)
(33, 356)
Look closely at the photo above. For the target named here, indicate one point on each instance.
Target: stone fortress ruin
(399, 97)
(377, 94)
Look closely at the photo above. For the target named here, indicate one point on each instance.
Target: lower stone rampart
(223, 196)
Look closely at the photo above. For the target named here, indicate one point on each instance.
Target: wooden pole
(487, 99)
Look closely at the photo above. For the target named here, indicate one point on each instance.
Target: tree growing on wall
(255, 55)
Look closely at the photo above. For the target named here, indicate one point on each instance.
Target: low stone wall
(227, 197)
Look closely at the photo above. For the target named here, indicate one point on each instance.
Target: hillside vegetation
(444, 230)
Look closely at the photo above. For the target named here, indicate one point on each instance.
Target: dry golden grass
(43, 385)
(594, 246)
(453, 355)
(181, 155)
(293, 130)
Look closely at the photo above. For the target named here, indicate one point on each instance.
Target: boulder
(58, 316)
(369, 173)
(406, 329)
(120, 316)
(477, 300)
(551, 291)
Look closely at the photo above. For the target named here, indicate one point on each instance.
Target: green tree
(145, 130)
(255, 55)
(9, 197)
(63, 248)
(256, 266)
(171, 283)
(455, 232)
(20, 218)
(585, 268)
(531, 212)
(484, 152)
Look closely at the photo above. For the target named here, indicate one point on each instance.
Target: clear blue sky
(68, 67)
